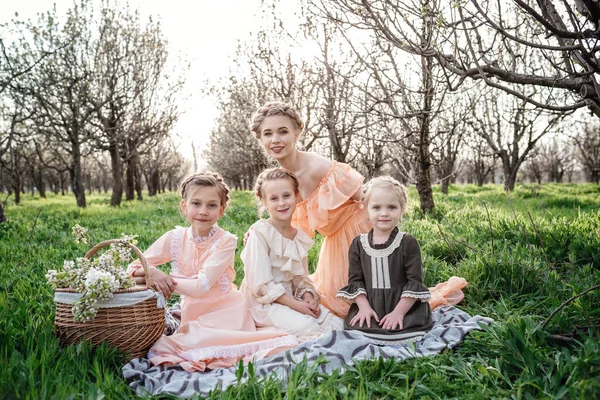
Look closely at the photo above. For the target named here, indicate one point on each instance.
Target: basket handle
(132, 247)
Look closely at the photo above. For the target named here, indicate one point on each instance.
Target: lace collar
(377, 250)
(202, 239)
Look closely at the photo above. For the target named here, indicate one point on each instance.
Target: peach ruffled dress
(331, 211)
(217, 330)
(274, 266)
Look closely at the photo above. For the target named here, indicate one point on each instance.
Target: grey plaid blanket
(340, 348)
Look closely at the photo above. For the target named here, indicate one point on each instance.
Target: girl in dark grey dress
(385, 277)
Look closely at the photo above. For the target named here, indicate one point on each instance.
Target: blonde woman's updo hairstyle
(386, 182)
(272, 174)
(207, 179)
(274, 108)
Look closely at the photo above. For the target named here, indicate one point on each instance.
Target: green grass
(523, 254)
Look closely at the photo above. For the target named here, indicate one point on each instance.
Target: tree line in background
(88, 101)
(429, 91)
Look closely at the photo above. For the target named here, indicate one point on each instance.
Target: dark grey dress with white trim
(385, 273)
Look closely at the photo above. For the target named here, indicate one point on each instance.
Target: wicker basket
(131, 329)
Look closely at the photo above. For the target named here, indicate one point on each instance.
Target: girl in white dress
(276, 283)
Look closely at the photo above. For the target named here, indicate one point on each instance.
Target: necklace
(202, 239)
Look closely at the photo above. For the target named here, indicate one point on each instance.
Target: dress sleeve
(303, 284)
(258, 271)
(414, 288)
(157, 254)
(214, 266)
(338, 186)
(356, 279)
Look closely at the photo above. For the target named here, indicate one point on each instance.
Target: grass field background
(522, 254)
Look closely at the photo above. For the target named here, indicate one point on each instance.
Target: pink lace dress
(217, 330)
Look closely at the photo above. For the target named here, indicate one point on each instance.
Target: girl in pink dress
(217, 329)
(276, 284)
(329, 197)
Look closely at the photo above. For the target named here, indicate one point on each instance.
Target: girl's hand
(139, 280)
(161, 282)
(392, 320)
(313, 303)
(364, 316)
(304, 308)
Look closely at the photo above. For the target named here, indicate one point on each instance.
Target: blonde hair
(386, 182)
(206, 179)
(272, 174)
(274, 108)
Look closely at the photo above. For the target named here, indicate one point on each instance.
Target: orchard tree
(134, 93)
(512, 129)
(57, 89)
(543, 52)
(587, 142)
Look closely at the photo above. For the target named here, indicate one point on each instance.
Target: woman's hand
(161, 282)
(313, 303)
(392, 320)
(363, 316)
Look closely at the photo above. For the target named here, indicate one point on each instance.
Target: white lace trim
(202, 239)
(203, 282)
(224, 283)
(364, 240)
(271, 297)
(175, 249)
(238, 350)
(423, 296)
(301, 292)
(342, 294)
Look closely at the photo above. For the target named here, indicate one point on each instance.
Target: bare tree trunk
(153, 183)
(138, 180)
(76, 177)
(16, 186)
(424, 156)
(595, 175)
(3, 218)
(117, 174)
(445, 184)
(510, 171)
(37, 178)
(62, 184)
(129, 179)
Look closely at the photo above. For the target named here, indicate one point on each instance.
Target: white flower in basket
(96, 279)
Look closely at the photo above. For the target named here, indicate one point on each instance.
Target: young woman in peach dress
(329, 193)
(217, 329)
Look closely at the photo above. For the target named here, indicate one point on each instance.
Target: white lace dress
(273, 266)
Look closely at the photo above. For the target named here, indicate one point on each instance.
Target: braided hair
(272, 174)
(207, 179)
(386, 182)
(274, 108)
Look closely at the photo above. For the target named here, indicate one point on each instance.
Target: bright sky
(204, 32)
